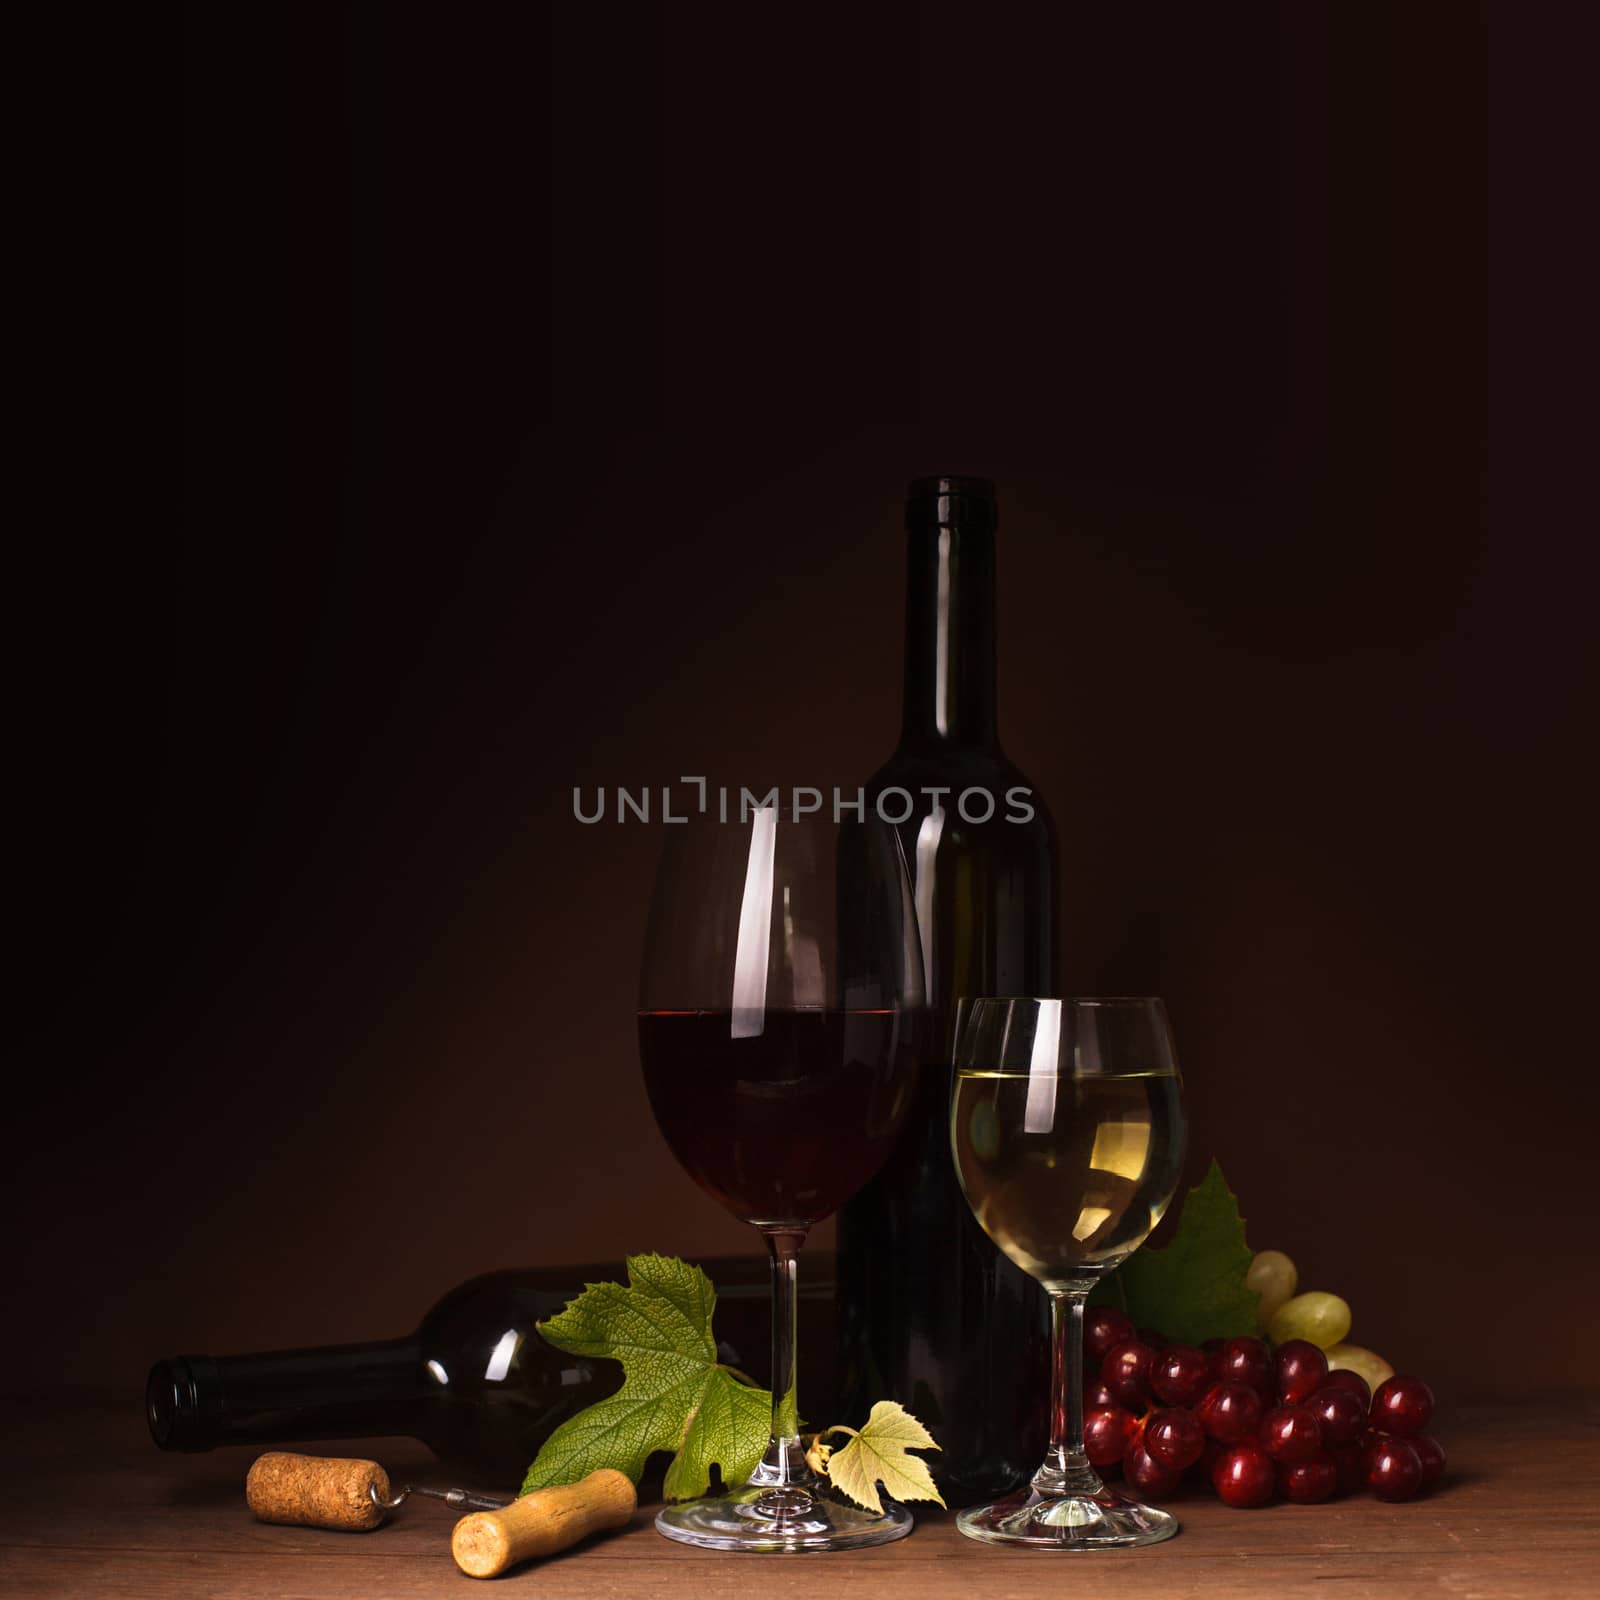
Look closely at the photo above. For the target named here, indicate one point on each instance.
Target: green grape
(1363, 1362)
(1322, 1318)
(1273, 1276)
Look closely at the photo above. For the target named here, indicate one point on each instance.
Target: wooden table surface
(89, 1506)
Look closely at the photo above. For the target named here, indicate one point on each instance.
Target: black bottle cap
(947, 501)
(180, 1398)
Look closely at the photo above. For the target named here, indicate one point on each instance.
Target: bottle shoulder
(511, 1297)
(520, 1297)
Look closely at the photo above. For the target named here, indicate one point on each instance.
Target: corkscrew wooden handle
(316, 1491)
(541, 1523)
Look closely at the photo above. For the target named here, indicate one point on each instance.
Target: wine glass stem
(1066, 1468)
(785, 1460)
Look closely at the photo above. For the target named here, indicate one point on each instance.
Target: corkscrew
(451, 1497)
(355, 1495)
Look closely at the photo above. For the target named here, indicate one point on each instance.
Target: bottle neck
(950, 636)
(338, 1392)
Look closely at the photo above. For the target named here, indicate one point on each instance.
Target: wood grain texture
(89, 1507)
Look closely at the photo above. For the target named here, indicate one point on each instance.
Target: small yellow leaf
(879, 1454)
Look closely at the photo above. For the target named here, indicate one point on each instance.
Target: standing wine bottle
(930, 1314)
(475, 1382)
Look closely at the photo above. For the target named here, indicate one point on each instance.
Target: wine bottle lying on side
(476, 1383)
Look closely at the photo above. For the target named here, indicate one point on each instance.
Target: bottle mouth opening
(931, 488)
(172, 1407)
(943, 501)
(161, 1403)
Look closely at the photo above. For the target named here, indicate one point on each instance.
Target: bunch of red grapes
(1252, 1420)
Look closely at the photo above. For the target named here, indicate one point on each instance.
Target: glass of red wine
(781, 1008)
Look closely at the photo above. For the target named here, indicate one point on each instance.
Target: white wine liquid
(1067, 1174)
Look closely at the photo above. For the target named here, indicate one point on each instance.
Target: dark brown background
(553, 377)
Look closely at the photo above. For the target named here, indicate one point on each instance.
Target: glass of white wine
(1067, 1127)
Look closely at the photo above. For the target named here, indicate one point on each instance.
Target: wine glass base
(1104, 1521)
(739, 1522)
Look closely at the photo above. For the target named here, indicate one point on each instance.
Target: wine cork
(315, 1491)
(541, 1523)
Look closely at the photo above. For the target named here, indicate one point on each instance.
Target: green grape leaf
(675, 1394)
(879, 1453)
(1194, 1289)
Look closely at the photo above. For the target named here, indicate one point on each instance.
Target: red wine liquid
(786, 1124)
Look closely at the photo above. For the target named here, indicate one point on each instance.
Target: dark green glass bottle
(931, 1314)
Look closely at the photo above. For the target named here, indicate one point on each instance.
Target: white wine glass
(1067, 1128)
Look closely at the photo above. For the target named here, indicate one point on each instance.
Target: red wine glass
(780, 1011)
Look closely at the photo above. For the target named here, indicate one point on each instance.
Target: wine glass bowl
(780, 1015)
(787, 1120)
(1067, 1131)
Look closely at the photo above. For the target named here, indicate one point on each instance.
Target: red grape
(1309, 1482)
(1246, 1361)
(1341, 1414)
(1290, 1434)
(1181, 1375)
(1174, 1437)
(1107, 1433)
(1230, 1412)
(1148, 1475)
(1431, 1454)
(1104, 1327)
(1394, 1469)
(1126, 1371)
(1402, 1405)
(1244, 1476)
(1372, 1444)
(1344, 1378)
(1301, 1369)
(1153, 1338)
